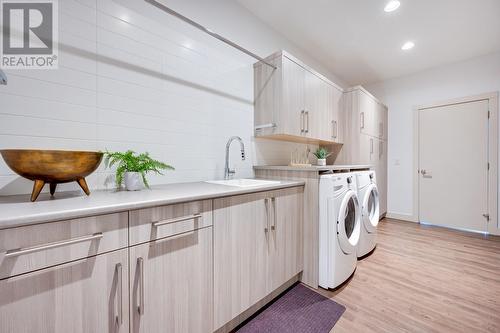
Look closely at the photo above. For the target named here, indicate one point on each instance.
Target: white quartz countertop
(18, 210)
(353, 167)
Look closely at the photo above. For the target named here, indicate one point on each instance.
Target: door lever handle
(425, 173)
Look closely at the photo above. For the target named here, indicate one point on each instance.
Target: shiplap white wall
(133, 77)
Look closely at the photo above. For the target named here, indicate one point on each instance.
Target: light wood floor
(423, 279)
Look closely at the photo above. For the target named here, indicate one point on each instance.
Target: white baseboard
(403, 217)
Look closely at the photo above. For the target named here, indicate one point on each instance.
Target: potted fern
(132, 168)
(321, 154)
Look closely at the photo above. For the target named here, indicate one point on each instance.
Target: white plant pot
(133, 181)
(321, 161)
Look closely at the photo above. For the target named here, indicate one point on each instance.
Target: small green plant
(321, 153)
(129, 161)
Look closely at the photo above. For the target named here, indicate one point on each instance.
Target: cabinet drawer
(29, 248)
(153, 223)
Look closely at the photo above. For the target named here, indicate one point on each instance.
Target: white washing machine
(339, 228)
(369, 199)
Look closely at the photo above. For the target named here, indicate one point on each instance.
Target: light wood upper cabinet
(171, 284)
(295, 103)
(257, 248)
(84, 296)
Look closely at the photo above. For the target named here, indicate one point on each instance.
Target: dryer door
(371, 208)
(348, 223)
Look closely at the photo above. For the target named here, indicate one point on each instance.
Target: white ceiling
(361, 43)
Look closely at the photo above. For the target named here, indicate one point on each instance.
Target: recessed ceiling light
(407, 46)
(392, 6)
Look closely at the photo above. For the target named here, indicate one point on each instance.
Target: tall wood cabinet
(295, 103)
(257, 248)
(366, 136)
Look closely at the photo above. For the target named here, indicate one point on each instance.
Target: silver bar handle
(307, 117)
(381, 129)
(260, 127)
(380, 149)
(180, 219)
(273, 226)
(362, 120)
(53, 245)
(266, 203)
(140, 267)
(334, 129)
(302, 121)
(119, 272)
(371, 145)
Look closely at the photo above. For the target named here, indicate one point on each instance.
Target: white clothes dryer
(369, 199)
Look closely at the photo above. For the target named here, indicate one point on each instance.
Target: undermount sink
(244, 182)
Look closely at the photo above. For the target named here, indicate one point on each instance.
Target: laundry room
(251, 166)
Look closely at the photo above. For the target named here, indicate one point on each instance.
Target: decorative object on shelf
(132, 168)
(300, 159)
(321, 154)
(52, 166)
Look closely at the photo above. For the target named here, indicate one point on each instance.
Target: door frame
(492, 98)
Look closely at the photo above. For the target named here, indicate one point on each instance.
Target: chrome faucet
(228, 173)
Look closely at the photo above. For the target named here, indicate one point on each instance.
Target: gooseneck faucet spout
(228, 173)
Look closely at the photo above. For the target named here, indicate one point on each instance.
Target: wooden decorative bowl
(52, 166)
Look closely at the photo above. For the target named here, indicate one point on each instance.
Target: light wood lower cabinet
(286, 240)
(241, 256)
(197, 279)
(257, 248)
(87, 296)
(171, 284)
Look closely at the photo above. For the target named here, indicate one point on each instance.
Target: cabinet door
(292, 118)
(241, 231)
(364, 151)
(336, 110)
(267, 96)
(171, 284)
(318, 115)
(382, 122)
(87, 296)
(367, 108)
(286, 255)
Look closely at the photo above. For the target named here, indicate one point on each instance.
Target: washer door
(348, 223)
(371, 209)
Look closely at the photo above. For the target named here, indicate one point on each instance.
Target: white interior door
(453, 165)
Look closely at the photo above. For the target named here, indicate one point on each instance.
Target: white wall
(472, 77)
(133, 77)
